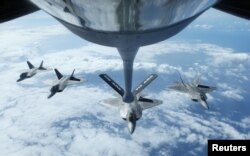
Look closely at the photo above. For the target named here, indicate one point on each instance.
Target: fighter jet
(124, 24)
(131, 111)
(196, 91)
(32, 71)
(62, 82)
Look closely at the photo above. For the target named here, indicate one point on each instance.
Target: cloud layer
(74, 123)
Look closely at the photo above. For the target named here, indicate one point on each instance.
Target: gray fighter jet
(196, 91)
(31, 71)
(62, 82)
(132, 111)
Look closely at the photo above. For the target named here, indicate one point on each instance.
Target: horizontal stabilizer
(144, 83)
(74, 79)
(58, 74)
(112, 84)
(30, 65)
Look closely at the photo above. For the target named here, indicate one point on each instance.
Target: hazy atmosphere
(74, 122)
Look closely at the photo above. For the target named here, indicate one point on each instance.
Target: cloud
(13, 37)
(245, 122)
(74, 123)
(224, 55)
(217, 54)
(230, 92)
(203, 26)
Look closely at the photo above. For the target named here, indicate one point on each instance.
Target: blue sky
(75, 123)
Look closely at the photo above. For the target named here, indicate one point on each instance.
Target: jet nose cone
(52, 94)
(131, 127)
(204, 104)
(18, 80)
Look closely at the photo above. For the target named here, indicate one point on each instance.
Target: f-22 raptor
(132, 111)
(31, 71)
(62, 82)
(196, 91)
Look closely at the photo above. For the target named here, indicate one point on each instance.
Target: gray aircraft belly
(63, 83)
(130, 107)
(132, 22)
(194, 95)
(109, 15)
(32, 72)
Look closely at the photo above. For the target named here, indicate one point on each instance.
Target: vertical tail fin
(58, 74)
(72, 73)
(181, 79)
(41, 66)
(197, 80)
(73, 78)
(30, 65)
(144, 83)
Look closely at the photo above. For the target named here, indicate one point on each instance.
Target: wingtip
(160, 102)
(19, 80)
(156, 75)
(100, 75)
(52, 94)
(49, 96)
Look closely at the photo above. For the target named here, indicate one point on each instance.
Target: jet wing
(74, 79)
(50, 82)
(206, 89)
(112, 102)
(41, 71)
(178, 87)
(148, 103)
(72, 82)
(11, 9)
(239, 8)
(23, 71)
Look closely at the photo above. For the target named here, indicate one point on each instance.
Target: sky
(75, 122)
